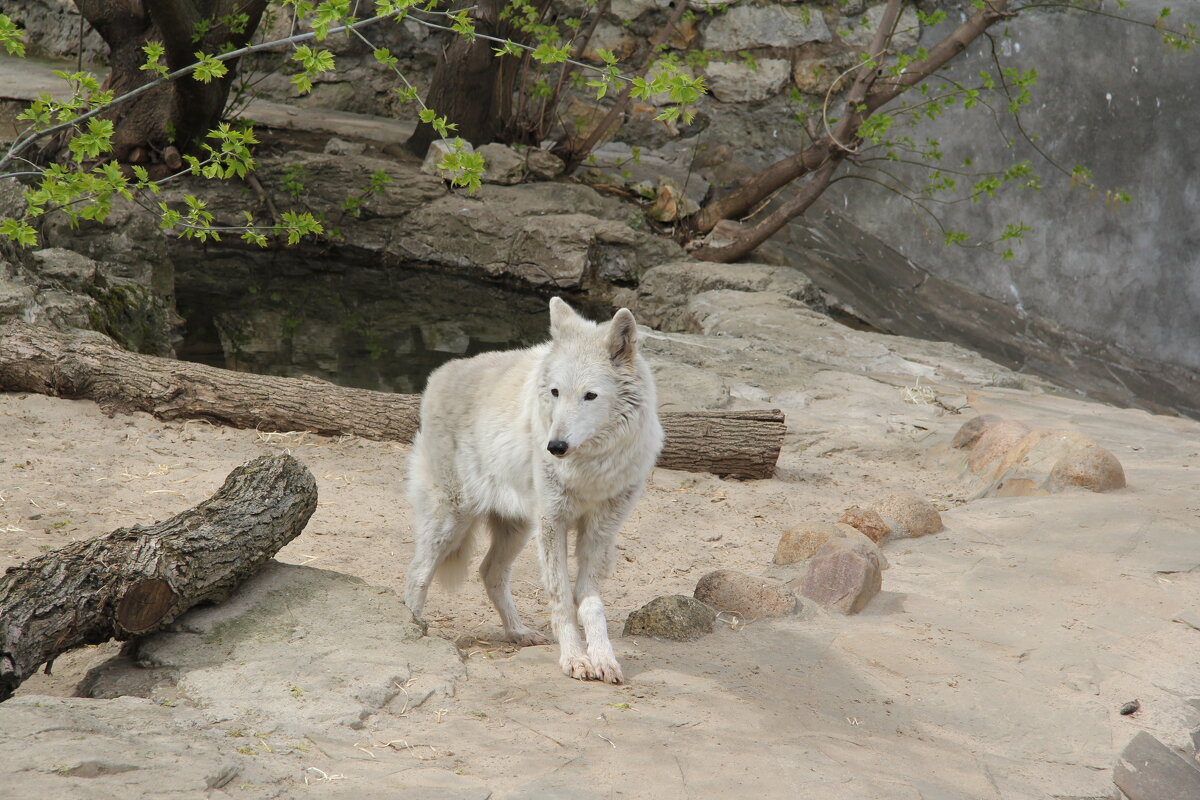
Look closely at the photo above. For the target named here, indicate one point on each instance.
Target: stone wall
(1109, 96)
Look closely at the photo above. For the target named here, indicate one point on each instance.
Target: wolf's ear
(622, 337)
(562, 317)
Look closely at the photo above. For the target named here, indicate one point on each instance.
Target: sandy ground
(992, 665)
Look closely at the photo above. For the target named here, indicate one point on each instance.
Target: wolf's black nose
(557, 447)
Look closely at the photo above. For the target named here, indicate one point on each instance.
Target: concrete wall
(1110, 96)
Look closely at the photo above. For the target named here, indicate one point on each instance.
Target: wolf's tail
(452, 570)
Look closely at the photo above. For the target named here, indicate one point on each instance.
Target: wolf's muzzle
(557, 447)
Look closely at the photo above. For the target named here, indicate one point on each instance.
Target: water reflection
(361, 326)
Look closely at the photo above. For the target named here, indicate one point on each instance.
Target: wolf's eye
(590, 396)
(554, 392)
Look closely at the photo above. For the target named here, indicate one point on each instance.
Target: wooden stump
(136, 580)
(88, 365)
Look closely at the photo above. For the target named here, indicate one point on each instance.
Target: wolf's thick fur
(558, 437)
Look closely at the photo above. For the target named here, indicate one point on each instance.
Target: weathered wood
(83, 364)
(88, 365)
(135, 580)
(742, 444)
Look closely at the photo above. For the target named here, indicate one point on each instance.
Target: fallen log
(136, 580)
(89, 365)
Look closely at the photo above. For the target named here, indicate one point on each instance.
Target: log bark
(88, 365)
(743, 444)
(136, 580)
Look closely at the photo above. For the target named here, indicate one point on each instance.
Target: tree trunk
(136, 580)
(85, 364)
(471, 85)
(151, 129)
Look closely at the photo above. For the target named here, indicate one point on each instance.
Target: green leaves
(12, 38)
(464, 167)
(97, 140)
(19, 231)
(208, 68)
(314, 62)
(154, 53)
(441, 124)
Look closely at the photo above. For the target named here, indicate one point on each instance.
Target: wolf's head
(591, 384)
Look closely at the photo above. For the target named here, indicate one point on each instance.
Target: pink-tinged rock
(1089, 467)
(801, 542)
(867, 522)
(748, 596)
(907, 515)
(972, 429)
(844, 575)
(995, 443)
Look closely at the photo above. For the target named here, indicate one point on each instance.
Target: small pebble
(1130, 708)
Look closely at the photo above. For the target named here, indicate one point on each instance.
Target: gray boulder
(676, 617)
(743, 82)
(766, 26)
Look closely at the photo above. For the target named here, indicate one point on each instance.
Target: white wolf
(556, 437)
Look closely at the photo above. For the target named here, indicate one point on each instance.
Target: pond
(360, 325)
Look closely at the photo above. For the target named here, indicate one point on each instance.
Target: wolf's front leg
(552, 554)
(595, 551)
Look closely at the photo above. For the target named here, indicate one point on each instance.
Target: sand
(992, 665)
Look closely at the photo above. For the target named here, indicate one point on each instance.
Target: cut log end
(144, 605)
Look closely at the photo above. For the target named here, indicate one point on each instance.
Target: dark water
(364, 326)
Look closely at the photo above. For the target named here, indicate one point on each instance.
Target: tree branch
(764, 230)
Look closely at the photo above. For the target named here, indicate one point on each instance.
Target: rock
(348, 647)
(632, 9)
(676, 617)
(747, 596)
(1039, 462)
(766, 26)
(671, 203)
(683, 34)
(908, 515)
(857, 31)
(1088, 467)
(972, 429)
(816, 75)
(664, 290)
(995, 442)
(843, 576)
(446, 336)
(1149, 770)
(724, 233)
(619, 164)
(543, 164)
(438, 150)
(341, 147)
(582, 118)
(867, 522)
(74, 271)
(742, 82)
(502, 164)
(610, 37)
(802, 542)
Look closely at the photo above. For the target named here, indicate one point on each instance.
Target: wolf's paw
(578, 667)
(606, 669)
(527, 637)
